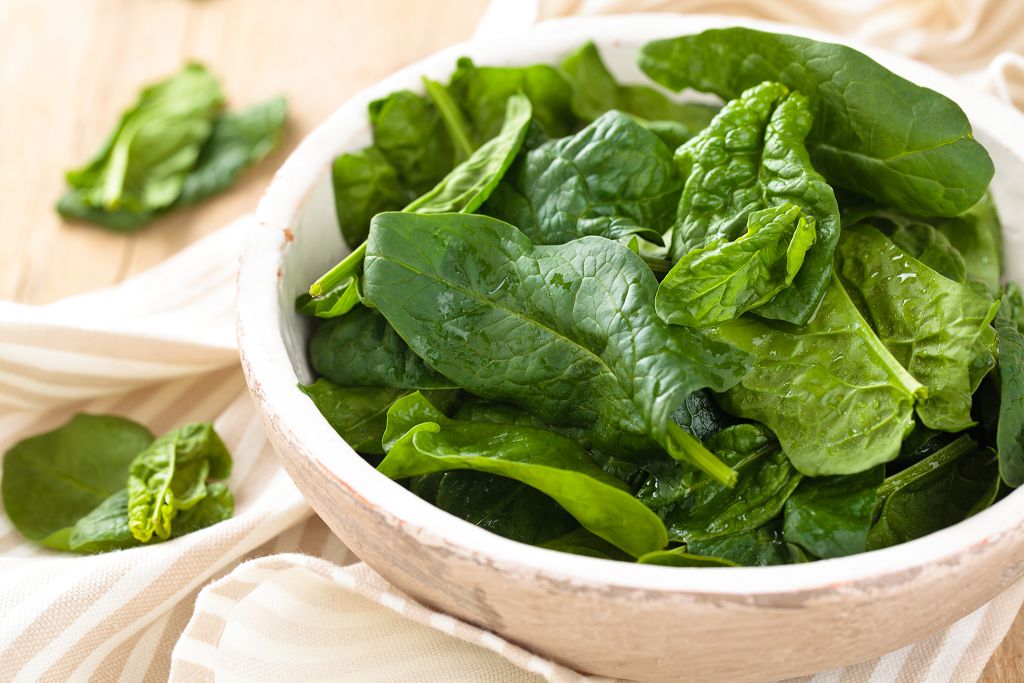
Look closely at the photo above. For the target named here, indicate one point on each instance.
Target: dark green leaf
(53, 480)
(941, 490)
(239, 139)
(758, 548)
(582, 542)
(874, 132)
(550, 463)
(830, 516)
(410, 134)
(551, 328)
(613, 178)
(1010, 432)
(717, 283)
(700, 415)
(365, 184)
(362, 349)
(837, 400)
(936, 328)
(750, 157)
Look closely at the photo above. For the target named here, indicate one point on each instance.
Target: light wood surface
(68, 67)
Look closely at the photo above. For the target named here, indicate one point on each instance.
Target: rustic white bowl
(611, 618)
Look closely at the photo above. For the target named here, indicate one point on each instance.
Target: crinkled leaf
(719, 282)
(874, 132)
(613, 178)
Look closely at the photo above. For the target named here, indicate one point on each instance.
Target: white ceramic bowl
(604, 617)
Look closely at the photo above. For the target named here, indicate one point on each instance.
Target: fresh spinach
(938, 329)
(582, 542)
(362, 349)
(613, 178)
(874, 132)
(831, 516)
(717, 283)
(750, 157)
(1010, 430)
(170, 476)
(678, 557)
(761, 547)
(505, 319)
(595, 91)
(835, 397)
(71, 489)
(941, 490)
(552, 464)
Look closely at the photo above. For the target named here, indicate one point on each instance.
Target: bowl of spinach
(669, 347)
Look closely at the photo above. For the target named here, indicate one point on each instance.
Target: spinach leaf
(471, 182)
(1010, 430)
(52, 480)
(717, 283)
(932, 248)
(502, 506)
(410, 134)
(761, 547)
(938, 329)
(365, 184)
(941, 490)
(482, 92)
(552, 464)
(701, 508)
(143, 165)
(554, 329)
(359, 414)
(613, 178)
(582, 542)
(835, 397)
(362, 349)
(875, 133)
(978, 236)
(752, 156)
(830, 516)
(334, 303)
(699, 415)
(595, 91)
(678, 557)
(239, 139)
(170, 475)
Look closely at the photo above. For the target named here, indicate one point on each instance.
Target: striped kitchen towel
(271, 594)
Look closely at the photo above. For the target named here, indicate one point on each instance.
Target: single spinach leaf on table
(53, 480)
(142, 167)
(874, 132)
(750, 157)
(482, 93)
(502, 506)
(835, 397)
(359, 414)
(938, 329)
(170, 475)
(830, 516)
(238, 139)
(554, 329)
(362, 349)
(595, 91)
(1010, 429)
(941, 490)
(678, 557)
(717, 283)
(761, 547)
(700, 508)
(552, 464)
(613, 178)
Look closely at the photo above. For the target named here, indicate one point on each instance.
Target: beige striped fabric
(271, 594)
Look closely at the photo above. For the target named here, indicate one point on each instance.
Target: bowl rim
(272, 381)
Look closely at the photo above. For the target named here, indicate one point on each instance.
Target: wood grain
(70, 66)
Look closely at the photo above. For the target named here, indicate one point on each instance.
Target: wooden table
(68, 67)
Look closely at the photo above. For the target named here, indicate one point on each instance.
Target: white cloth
(160, 348)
